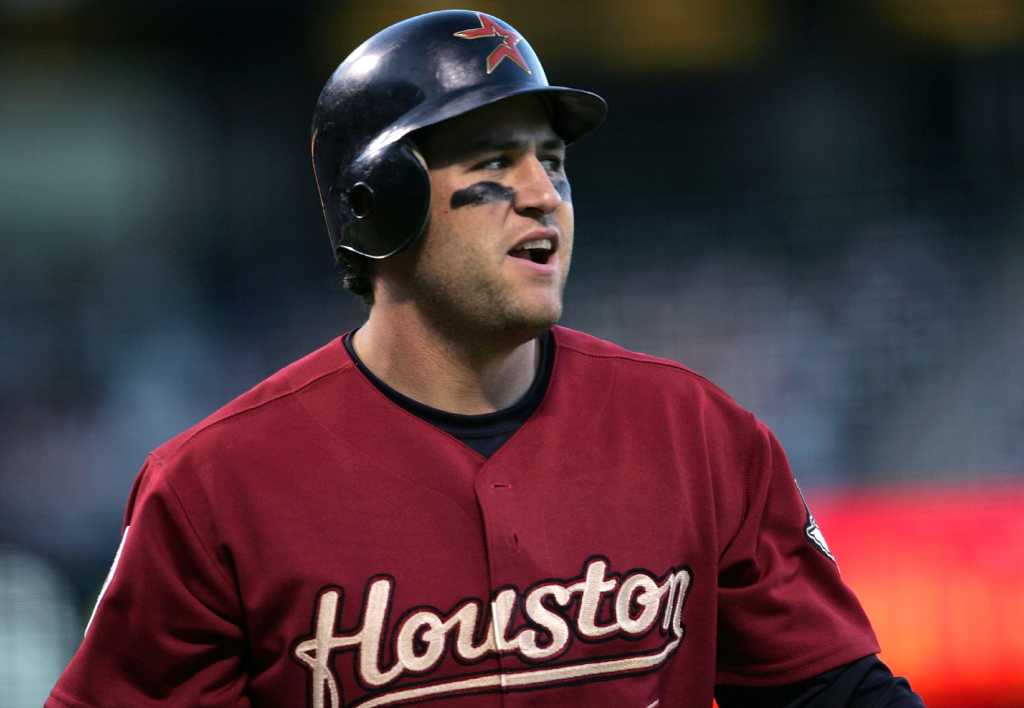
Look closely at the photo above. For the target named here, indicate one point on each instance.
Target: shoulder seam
(248, 409)
(649, 361)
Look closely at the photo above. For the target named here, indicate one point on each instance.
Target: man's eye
(493, 163)
(553, 163)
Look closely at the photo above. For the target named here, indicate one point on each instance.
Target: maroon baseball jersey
(639, 539)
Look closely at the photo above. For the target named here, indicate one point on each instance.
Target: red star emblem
(506, 50)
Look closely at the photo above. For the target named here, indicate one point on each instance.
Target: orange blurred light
(940, 573)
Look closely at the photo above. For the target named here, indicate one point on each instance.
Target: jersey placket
(516, 540)
(499, 497)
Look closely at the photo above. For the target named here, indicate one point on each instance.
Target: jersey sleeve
(784, 612)
(166, 629)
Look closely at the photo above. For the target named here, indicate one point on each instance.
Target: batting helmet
(373, 187)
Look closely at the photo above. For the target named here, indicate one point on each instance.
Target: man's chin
(528, 324)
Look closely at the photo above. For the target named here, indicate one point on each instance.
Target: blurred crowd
(820, 210)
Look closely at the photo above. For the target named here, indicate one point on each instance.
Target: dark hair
(356, 274)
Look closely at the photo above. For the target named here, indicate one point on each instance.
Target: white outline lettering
(637, 589)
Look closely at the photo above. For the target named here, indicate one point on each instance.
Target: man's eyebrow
(499, 144)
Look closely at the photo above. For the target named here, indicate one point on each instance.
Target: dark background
(818, 205)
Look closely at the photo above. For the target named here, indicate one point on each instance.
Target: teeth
(544, 243)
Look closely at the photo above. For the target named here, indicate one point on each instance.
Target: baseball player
(461, 503)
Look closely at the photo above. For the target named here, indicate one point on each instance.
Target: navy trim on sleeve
(865, 683)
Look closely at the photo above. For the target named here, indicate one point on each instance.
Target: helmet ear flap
(382, 201)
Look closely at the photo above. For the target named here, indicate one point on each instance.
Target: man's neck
(469, 376)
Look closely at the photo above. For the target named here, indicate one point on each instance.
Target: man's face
(496, 251)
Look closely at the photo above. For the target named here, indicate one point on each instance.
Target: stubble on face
(463, 291)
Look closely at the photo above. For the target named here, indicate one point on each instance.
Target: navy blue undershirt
(484, 433)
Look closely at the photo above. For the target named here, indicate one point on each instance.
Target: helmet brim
(574, 112)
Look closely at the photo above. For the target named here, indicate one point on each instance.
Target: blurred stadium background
(817, 204)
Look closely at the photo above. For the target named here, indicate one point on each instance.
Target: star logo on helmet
(506, 50)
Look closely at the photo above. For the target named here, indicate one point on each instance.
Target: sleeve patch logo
(812, 530)
(817, 537)
(489, 27)
(554, 612)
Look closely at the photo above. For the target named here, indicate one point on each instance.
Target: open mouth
(538, 250)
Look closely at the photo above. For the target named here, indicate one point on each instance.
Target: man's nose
(535, 190)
